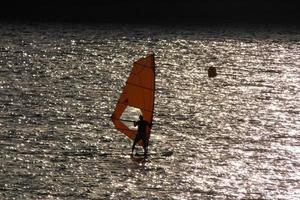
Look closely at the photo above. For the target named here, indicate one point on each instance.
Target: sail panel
(138, 93)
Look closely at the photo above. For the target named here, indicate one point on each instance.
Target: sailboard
(139, 93)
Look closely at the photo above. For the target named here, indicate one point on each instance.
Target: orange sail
(137, 93)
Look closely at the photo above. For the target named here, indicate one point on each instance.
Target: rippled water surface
(235, 136)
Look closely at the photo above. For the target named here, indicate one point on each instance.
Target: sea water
(235, 136)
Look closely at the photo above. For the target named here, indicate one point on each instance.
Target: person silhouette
(141, 134)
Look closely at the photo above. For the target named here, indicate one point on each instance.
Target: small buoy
(212, 72)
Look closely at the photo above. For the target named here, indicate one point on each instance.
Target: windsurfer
(141, 133)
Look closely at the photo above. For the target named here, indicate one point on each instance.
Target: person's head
(141, 117)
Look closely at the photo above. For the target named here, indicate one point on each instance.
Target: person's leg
(137, 138)
(145, 145)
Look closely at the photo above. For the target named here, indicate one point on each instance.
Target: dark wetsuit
(141, 134)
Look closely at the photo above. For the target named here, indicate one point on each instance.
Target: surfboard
(152, 155)
(138, 93)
